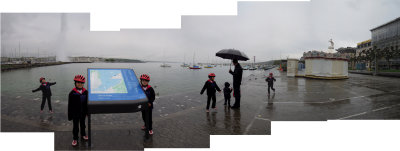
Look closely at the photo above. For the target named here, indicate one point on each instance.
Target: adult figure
(237, 81)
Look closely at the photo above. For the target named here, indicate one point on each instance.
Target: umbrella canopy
(232, 54)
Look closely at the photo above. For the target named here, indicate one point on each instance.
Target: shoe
(207, 111)
(151, 132)
(143, 127)
(215, 108)
(235, 107)
(41, 111)
(85, 138)
(51, 111)
(273, 90)
(74, 142)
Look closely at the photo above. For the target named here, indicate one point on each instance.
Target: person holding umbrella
(237, 81)
(235, 55)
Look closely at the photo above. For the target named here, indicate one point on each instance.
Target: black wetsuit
(46, 94)
(237, 81)
(270, 81)
(227, 95)
(77, 111)
(211, 87)
(147, 112)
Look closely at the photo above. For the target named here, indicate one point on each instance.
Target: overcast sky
(267, 30)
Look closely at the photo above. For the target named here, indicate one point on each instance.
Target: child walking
(77, 108)
(270, 81)
(147, 112)
(227, 94)
(46, 93)
(211, 86)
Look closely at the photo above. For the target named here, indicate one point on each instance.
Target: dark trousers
(236, 91)
(44, 101)
(214, 100)
(270, 87)
(78, 122)
(228, 99)
(147, 116)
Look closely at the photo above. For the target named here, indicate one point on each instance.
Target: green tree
(369, 57)
(388, 53)
(396, 51)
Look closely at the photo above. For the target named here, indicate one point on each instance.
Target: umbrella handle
(230, 66)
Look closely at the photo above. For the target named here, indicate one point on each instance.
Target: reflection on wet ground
(180, 120)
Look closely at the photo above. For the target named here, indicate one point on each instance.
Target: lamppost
(376, 63)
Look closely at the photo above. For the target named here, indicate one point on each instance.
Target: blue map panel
(114, 91)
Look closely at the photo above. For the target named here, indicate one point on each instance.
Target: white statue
(332, 44)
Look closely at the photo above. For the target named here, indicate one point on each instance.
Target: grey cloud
(268, 30)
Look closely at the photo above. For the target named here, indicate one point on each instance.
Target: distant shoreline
(8, 67)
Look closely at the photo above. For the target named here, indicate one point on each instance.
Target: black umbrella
(232, 54)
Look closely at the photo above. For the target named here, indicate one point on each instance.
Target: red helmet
(145, 77)
(41, 78)
(211, 75)
(270, 73)
(79, 78)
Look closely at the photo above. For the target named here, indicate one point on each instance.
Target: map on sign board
(114, 85)
(107, 81)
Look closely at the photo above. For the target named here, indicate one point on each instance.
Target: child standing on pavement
(227, 94)
(148, 108)
(270, 81)
(77, 108)
(46, 93)
(211, 86)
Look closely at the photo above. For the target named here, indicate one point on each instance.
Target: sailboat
(184, 63)
(208, 66)
(164, 64)
(194, 66)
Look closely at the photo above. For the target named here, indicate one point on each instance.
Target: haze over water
(166, 81)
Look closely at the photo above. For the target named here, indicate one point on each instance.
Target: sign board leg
(89, 131)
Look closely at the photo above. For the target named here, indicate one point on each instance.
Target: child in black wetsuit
(270, 81)
(211, 86)
(46, 93)
(77, 108)
(147, 111)
(227, 94)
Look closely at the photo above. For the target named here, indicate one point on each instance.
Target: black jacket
(270, 80)
(151, 95)
(211, 86)
(237, 75)
(77, 104)
(45, 89)
(227, 92)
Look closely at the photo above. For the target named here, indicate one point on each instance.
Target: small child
(148, 108)
(77, 108)
(211, 86)
(46, 93)
(227, 94)
(270, 81)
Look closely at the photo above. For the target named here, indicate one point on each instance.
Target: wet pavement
(180, 120)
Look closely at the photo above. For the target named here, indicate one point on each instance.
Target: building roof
(346, 50)
(363, 42)
(394, 20)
